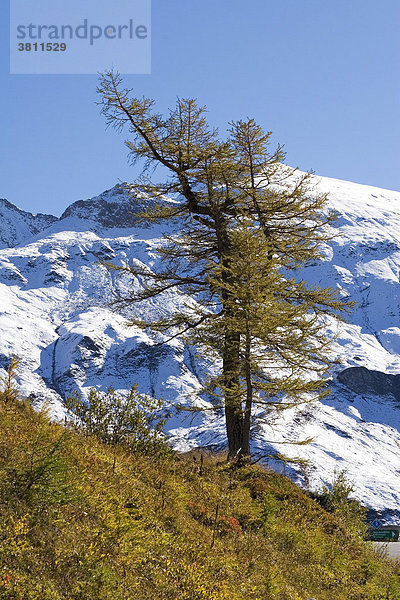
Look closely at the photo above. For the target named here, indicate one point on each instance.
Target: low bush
(131, 420)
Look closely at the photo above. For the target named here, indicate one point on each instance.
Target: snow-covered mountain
(55, 315)
(17, 225)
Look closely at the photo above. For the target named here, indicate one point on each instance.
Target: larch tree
(247, 223)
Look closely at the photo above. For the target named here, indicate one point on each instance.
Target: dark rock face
(363, 381)
(145, 357)
(113, 208)
(107, 214)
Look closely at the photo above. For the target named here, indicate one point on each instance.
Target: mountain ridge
(16, 223)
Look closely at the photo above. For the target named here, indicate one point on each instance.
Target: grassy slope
(85, 521)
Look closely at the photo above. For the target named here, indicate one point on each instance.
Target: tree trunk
(231, 350)
(249, 399)
(233, 408)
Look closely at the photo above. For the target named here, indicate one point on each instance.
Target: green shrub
(131, 420)
(335, 499)
(9, 393)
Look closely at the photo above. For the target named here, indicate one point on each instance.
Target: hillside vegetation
(82, 519)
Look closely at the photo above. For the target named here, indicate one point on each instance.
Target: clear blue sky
(323, 75)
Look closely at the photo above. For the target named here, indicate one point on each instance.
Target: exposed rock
(365, 381)
(113, 208)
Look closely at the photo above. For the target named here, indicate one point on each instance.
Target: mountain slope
(18, 225)
(55, 315)
(95, 521)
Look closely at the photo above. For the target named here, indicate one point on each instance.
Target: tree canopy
(247, 223)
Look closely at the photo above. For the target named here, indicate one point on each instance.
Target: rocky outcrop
(113, 208)
(365, 381)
